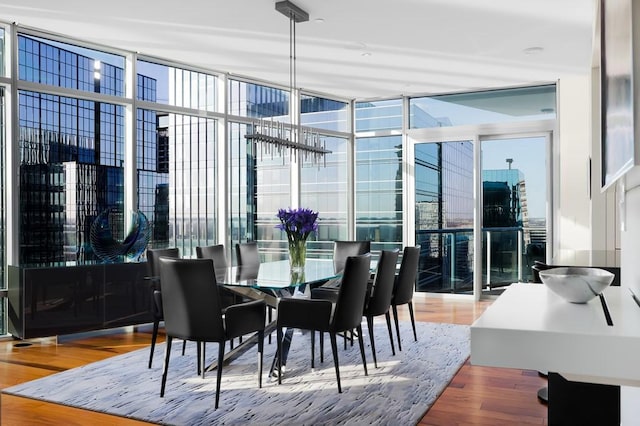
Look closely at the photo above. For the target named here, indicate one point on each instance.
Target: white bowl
(577, 285)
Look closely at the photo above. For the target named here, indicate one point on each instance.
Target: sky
(529, 156)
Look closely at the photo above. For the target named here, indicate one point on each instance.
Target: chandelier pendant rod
(272, 135)
(292, 76)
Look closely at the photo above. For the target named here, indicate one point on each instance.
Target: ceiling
(363, 49)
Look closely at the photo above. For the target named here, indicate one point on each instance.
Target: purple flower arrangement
(297, 223)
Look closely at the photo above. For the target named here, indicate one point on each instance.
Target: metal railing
(446, 259)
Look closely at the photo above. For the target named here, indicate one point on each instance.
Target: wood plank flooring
(476, 395)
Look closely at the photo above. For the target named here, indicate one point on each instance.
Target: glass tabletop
(276, 275)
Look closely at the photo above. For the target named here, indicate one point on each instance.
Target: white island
(530, 327)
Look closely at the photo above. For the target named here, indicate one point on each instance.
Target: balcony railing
(446, 260)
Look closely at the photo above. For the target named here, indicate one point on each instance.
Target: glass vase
(297, 255)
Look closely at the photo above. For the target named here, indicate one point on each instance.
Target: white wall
(628, 226)
(589, 230)
(605, 235)
(571, 181)
(630, 233)
(586, 228)
(630, 275)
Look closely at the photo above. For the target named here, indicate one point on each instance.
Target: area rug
(398, 392)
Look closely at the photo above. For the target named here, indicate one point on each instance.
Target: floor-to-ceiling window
(379, 191)
(514, 208)
(259, 179)
(378, 174)
(72, 161)
(72, 138)
(176, 175)
(71, 151)
(176, 156)
(324, 188)
(503, 132)
(324, 185)
(444, 207)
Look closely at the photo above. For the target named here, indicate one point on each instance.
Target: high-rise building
(71, 154)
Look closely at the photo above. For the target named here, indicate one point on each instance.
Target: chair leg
(413, 321)
(219, 368)
(184, 346)
(279, 352)
(199, 357)
(321, 347)
(313, 349)
(270, 310)
(165, 369)
(395, 319)
(388, 318)
(373, 345)
(361, 341)
(334, 350)
(260, 356)
(203, 349)
(154, 337)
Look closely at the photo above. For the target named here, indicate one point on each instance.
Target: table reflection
(276, 275)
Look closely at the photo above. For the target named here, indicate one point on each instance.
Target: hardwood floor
(476, 395)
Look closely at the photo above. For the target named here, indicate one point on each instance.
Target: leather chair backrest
(351, 295)
(215, 253)
(248, 254)
(153, 268)
(153, 271)
(406, 280)
(191, 303)
(383, 282)
(344, 249)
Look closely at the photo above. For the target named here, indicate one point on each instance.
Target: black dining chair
(343, 249)
(378, 301)
(325, 316)
(153, 271)
(247, 254)
(404, 286)
(215, 253)
(192, 311)
(218, 255)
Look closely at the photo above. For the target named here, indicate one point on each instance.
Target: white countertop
(529, 327)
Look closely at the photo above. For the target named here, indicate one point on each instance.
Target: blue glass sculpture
(107, 248)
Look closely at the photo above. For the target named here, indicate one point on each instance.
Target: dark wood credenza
(52, 301)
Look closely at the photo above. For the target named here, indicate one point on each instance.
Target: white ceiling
(414, 46)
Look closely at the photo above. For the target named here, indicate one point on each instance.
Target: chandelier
(278, 138)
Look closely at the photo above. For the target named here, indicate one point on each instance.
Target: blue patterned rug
(398, 392)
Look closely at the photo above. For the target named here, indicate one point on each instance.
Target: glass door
(514, 208)
(444, 209)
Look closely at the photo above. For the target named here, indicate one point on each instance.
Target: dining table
(271, 281)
